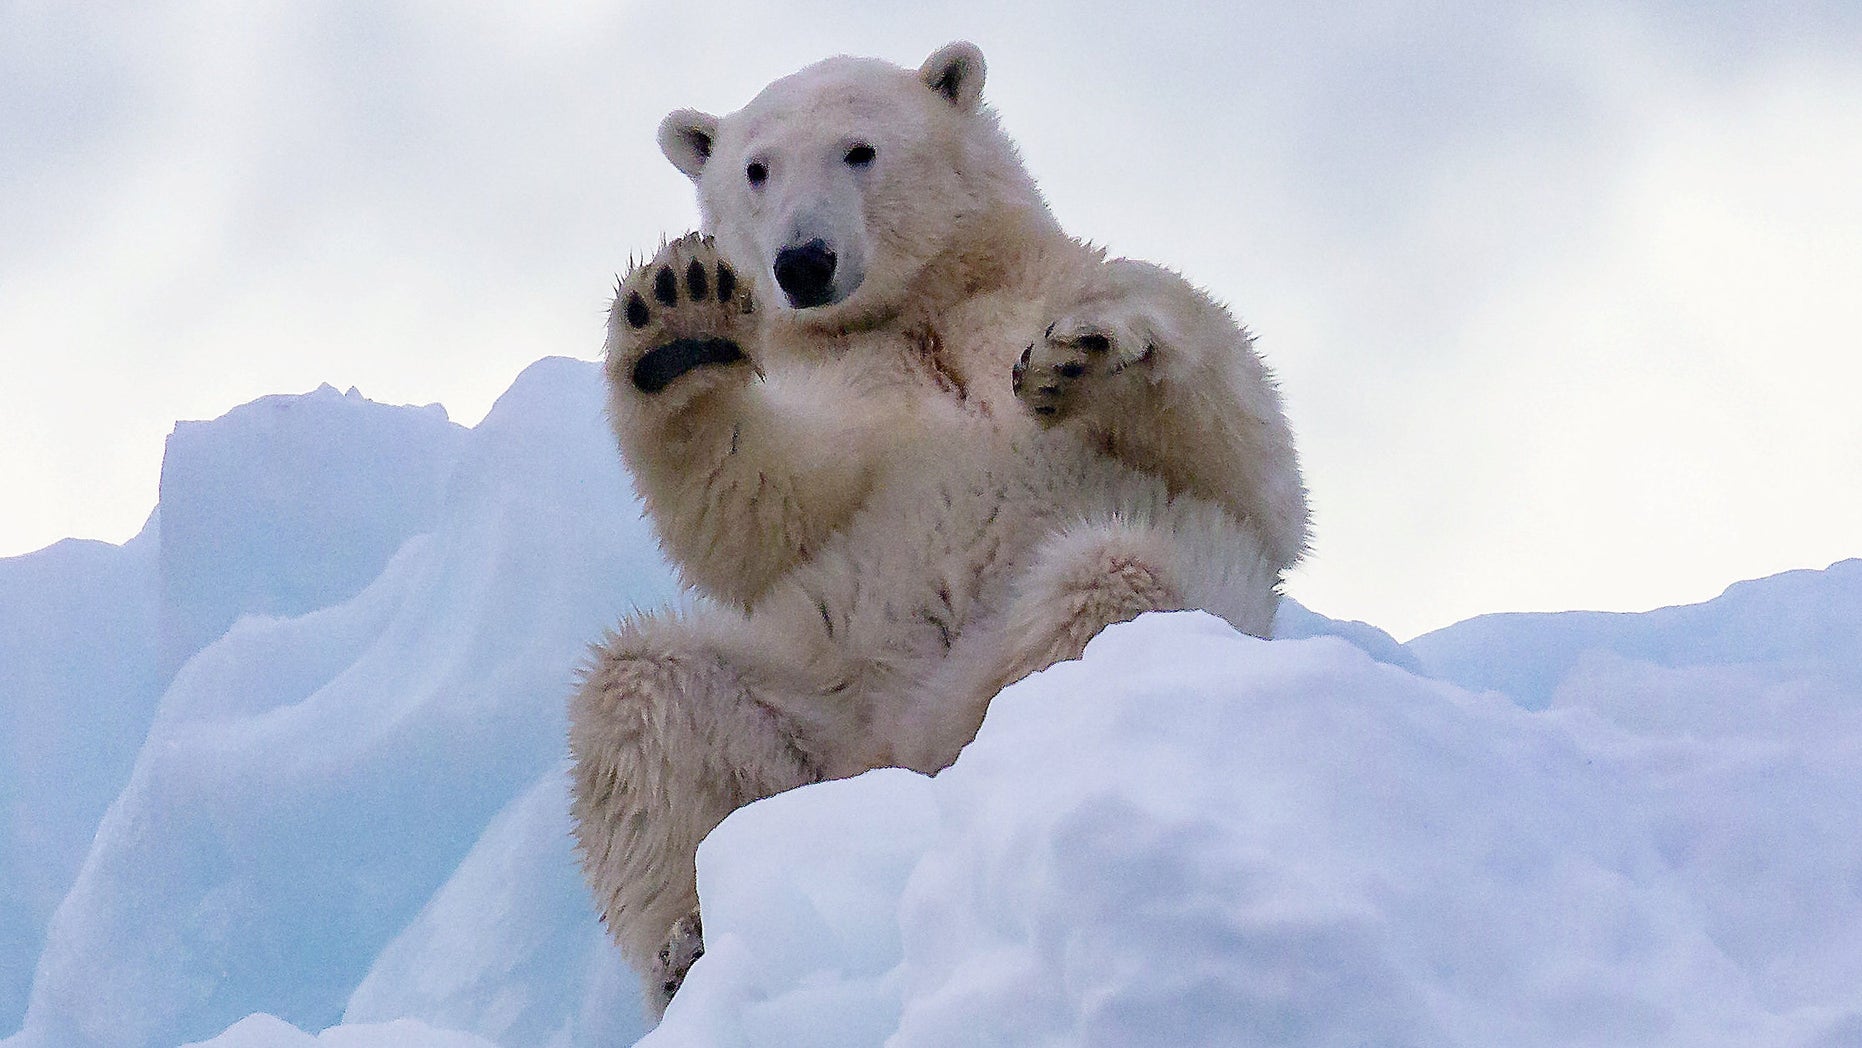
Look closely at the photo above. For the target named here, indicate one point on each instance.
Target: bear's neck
(991, 255)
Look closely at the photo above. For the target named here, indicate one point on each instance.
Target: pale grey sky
(1564, 299)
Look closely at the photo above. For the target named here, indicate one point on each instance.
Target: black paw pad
(1071, 369)
(666, 287)
(1095, 343)
(661, 366)
(637, 315)
(697, 281)
(727, 283)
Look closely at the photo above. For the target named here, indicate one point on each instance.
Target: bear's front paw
(684, 946)
(682, 313)
(1076, 362)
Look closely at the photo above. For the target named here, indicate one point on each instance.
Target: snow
(269, 1031)
(292, 503)
(1796, 623)
(282, 506)
(509, 948)
(1197, 837)
(1294, 622)
(78, 685)
(310, 781)
(321, 697)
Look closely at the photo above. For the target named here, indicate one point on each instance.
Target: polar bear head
(837, 186)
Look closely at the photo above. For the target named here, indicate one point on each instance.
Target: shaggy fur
(987, 445)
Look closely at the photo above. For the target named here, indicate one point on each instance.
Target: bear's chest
(968, 353)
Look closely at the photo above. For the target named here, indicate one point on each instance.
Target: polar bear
(908, 441)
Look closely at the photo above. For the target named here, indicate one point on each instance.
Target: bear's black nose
(806, 274)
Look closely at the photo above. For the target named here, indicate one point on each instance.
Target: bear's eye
(860, 155)
(757, 172)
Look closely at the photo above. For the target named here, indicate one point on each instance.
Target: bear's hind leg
(673, 728)
(1082, 580)
(1099, 572)
(1088, 576)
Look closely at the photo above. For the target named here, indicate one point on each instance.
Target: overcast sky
(1565, 301)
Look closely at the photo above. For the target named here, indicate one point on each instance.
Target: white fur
(885, 531)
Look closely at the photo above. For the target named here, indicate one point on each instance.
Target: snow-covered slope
(309, 783)
(1799, 622)
(1196, 838)
(78, 685)
(510, 947)
(1192, 837)
(282, 506)
(1293, 621)
(269, 1031)
(292, 503)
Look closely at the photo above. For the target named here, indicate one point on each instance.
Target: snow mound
(78, 685)
(1194, 837)
(267, 1031)
(279, 507)
(1794, 624)
(510, 947)
(292, 503)
(1293, 621)
(310, 781)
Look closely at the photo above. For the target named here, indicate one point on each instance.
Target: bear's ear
(685, 137)
(956, 72)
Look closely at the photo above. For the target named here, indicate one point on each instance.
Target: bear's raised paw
(1072, 363)
(683, 312)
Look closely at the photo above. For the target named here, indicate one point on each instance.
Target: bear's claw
(1055, 376)
(685, 944)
